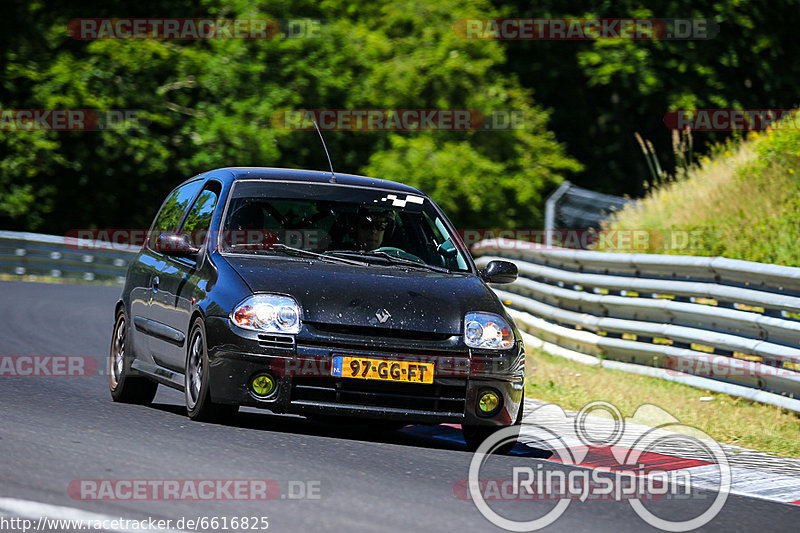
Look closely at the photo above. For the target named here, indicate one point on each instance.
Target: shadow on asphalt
(440, 437)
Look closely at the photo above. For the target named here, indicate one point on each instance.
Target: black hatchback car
(303, 292)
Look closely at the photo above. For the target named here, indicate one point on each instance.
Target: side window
(198, 221)
(169, 217)
(450, 255)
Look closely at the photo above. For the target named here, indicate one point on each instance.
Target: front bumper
(305, 385)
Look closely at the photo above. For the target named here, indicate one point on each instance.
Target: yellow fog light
(263, 385)
(488, 402)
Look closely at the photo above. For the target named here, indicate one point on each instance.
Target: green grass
(743, 202)
(727, 419)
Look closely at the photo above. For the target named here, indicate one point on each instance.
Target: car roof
(314, 176)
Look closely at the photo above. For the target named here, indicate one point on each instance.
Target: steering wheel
(398, 252)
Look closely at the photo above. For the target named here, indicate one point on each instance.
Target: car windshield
(358, 224)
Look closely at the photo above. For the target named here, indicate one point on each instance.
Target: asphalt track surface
(55, 430)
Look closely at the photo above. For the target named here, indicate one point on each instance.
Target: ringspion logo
(632, 469)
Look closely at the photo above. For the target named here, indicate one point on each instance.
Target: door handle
(155, 284)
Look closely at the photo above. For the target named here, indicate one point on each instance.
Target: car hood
(373, 296)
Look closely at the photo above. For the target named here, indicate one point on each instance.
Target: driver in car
(362, 231)
(371, 229)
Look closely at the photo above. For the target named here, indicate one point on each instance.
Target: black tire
(125, 388)
(475, 435)
(197, 391)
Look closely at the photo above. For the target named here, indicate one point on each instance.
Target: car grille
(285, 342)
(387, 333)
(449, 398)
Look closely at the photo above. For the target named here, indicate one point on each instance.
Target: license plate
(366, 368)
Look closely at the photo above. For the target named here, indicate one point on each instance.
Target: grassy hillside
(741, 203)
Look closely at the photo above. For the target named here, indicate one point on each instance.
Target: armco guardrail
(733, 321)
(33, 254)
(729, 320)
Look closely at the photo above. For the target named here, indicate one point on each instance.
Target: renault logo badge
(382, 315)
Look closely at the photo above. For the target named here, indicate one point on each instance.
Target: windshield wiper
(391, 259)
(306, 253)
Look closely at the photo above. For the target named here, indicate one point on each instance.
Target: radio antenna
(333, 176)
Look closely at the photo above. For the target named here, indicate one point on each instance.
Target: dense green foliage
(602, 92)
(208, 103)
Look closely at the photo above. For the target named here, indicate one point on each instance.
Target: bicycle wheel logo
(633, 467)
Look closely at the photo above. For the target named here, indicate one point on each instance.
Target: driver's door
(172, 303)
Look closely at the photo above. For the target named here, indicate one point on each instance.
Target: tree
(208, 104)
(604, 91)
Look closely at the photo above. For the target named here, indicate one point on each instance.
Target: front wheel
(125, 388)
(196, 376)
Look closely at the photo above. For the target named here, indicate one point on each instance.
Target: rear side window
(168, 219)
(198, 221)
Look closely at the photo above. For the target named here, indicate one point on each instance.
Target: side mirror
(499, 272)
(176, 245)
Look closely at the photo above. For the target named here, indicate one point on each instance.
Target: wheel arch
(195, 314)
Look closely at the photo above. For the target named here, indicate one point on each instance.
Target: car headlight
(270, 313)
(487, 330)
